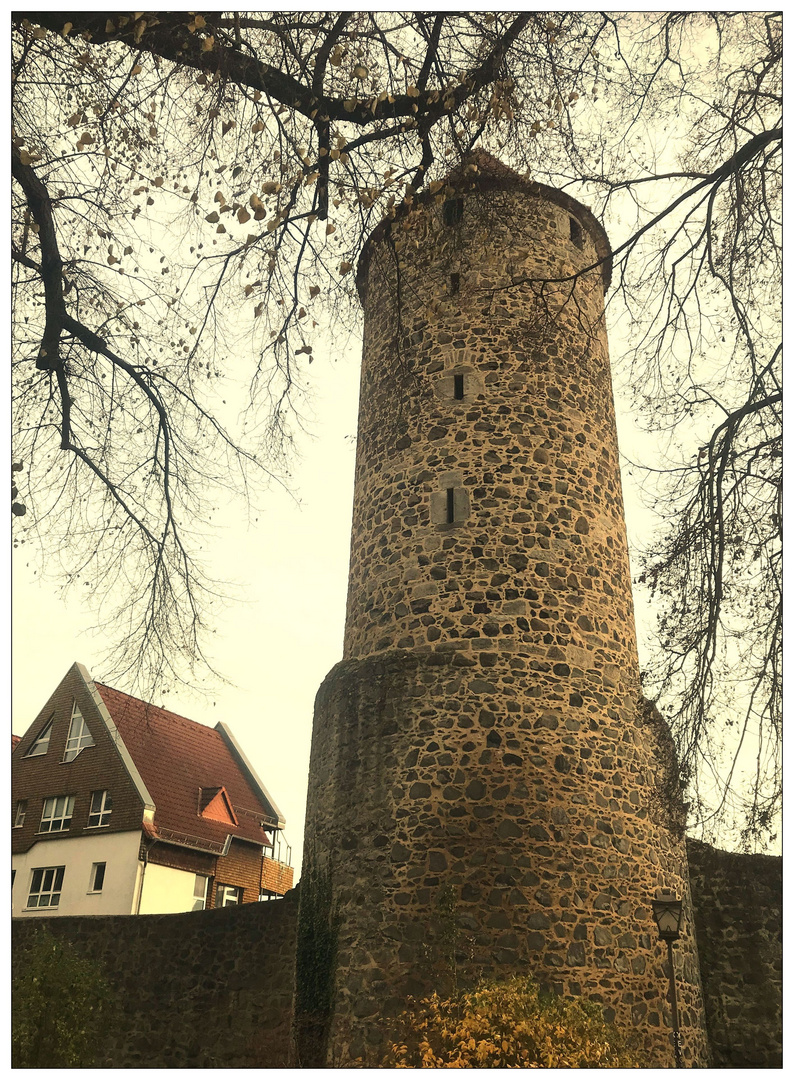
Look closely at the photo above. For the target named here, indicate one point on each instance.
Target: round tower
(488, 793)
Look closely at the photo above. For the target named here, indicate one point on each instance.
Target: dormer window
(215, 804)
(79, 736)
(41, 745)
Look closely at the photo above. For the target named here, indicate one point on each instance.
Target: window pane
(101, 806)
(41, 744)
(229, 895)
(99, 876)
(79, 736)
(45, 887)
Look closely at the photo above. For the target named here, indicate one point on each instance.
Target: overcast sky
(277, 645)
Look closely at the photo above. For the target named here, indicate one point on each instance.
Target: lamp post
(667, 914)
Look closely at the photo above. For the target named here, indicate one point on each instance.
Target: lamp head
(667, 915)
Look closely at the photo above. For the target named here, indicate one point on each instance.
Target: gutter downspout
(145, 862)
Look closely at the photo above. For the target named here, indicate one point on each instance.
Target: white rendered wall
(166, 891)
(118, 850)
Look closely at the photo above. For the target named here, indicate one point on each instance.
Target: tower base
(467, 822)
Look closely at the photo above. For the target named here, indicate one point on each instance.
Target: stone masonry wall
(551, 827)
(538, 548)
(739, 919)
(204, 989)
(485, 731)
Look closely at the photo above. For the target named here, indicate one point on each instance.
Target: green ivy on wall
(315, 968)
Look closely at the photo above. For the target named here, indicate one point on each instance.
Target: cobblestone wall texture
(485, 730)
(739, 919)
(205, 989)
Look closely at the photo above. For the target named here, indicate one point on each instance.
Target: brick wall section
(276, 876)
(97, 767)
(241, 867)
(739, 919)
(484, 730)
(206, 989)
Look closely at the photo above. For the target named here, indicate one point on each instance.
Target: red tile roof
(15, 740)
(177, 757)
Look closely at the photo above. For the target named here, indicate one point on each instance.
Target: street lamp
(667, 914)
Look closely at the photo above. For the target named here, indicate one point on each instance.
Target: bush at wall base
(512, 1024)
(60, 1005)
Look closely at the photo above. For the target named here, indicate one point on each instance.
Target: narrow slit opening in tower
(450, 506)
(453, 211)
(458, 388)
(576, 232)
(454, 284)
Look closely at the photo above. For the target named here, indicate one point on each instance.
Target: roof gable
(176, 758)
(84, 753)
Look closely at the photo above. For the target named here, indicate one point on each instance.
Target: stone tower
(483, 744)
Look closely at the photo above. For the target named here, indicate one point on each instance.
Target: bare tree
(701, 276)
(191, 192)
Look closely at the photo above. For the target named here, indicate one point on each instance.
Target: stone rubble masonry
(203, 989)
(738, 903)
(206, 988)
(485, 730)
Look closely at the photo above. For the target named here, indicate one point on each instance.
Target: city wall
(738, 903)
(214, 989)
(203, 989)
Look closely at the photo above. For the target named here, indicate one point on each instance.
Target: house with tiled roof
(121, 807)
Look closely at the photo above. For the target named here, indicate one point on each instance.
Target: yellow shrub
(508, 1025)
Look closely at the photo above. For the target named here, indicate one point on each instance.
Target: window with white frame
(20, 812)
(228, 896)
(200, 892)
(101, 806)
(97, 877)
(45, 887)
(56, 815)
(79, 736)
(42, 743)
